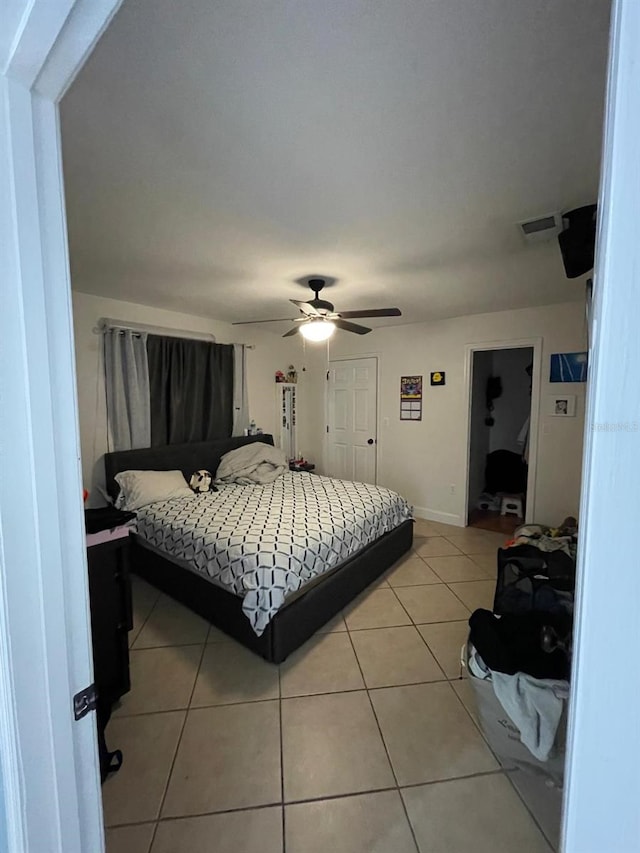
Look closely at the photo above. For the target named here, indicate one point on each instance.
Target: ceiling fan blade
(306, 308)
(351, 327)
(293, 331)
(251, 322)
(374, 312)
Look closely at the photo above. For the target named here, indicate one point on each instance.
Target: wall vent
(542, 228)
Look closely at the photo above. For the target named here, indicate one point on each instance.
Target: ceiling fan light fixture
(317, 330)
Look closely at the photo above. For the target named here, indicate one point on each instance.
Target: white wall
(513, 407)
(424, 460)
(421, 460)
(271, 353)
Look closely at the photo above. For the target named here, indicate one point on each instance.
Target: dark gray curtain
(191, 389)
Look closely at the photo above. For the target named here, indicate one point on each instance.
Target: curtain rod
(106, 323)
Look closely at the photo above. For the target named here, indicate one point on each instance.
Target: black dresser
(111, 621)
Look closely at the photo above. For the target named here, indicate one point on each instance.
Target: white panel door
(352, 421)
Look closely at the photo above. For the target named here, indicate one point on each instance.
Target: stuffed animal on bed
(200, 482)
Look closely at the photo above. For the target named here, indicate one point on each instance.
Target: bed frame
(297, 620)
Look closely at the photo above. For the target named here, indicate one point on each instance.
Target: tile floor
(363, 740)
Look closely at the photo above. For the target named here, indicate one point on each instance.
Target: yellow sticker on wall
(437, 378)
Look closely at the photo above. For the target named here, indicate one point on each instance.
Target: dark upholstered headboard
(171, 457)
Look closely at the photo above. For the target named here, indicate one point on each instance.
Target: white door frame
(48, 763)
(603, 756)
(536, 345)
(325, 439)
(49, 767)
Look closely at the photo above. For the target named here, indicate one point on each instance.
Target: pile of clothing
(562, 538)
(523, 647)
(527, 658)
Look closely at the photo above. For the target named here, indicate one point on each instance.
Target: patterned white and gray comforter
(263, 542)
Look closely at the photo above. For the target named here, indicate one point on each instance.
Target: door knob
(370, 441)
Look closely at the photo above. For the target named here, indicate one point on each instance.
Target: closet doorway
(503, 413)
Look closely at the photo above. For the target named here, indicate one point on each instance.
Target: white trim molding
(603, 757)
(50, 774)
(436, 515)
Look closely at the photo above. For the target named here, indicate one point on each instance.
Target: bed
(272, 629)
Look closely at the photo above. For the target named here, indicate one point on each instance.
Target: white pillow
(139, 488)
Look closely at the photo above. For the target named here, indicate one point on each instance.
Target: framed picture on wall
(562, 405)
(568, 367)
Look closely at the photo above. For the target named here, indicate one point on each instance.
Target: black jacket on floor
(513, 642)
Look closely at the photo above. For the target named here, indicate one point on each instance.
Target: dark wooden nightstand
(111, 621)
(111, 612)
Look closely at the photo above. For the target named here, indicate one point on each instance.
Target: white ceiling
(215, 152)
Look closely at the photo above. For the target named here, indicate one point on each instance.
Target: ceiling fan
(319, 320)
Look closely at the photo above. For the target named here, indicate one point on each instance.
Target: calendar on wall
(411, 398)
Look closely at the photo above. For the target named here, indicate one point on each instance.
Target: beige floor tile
(475, 594)
(411, 572)
(148, 743)
(436, 546)
(325, 664)
(408, 555)
(445, 640)
(428, 734)
(229, 758)
(423, 527)
(231, 673)
(392, 656)
(377, 609)
(481, 815)
(144, 597)
(171, 624)
(497, 539)
(433, 603)
(331, 745)
(161, 679)
(465, 693)
(488, 562)
(333, 625)
(544, 803)
(457, 568)
(360, 824)
(253, 831)
(129, 839)
(481, 548)
(215, 635)
(470, 540)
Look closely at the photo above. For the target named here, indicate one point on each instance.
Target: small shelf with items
(286, 418)
(301, 465)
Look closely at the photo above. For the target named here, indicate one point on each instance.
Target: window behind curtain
(191, 389)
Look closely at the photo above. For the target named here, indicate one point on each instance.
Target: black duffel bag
(531, 579)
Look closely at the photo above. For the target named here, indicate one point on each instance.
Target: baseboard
(436, 515)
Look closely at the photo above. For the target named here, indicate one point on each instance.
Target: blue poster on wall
(568, 367)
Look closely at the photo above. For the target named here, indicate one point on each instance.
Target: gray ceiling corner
(217, 154)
